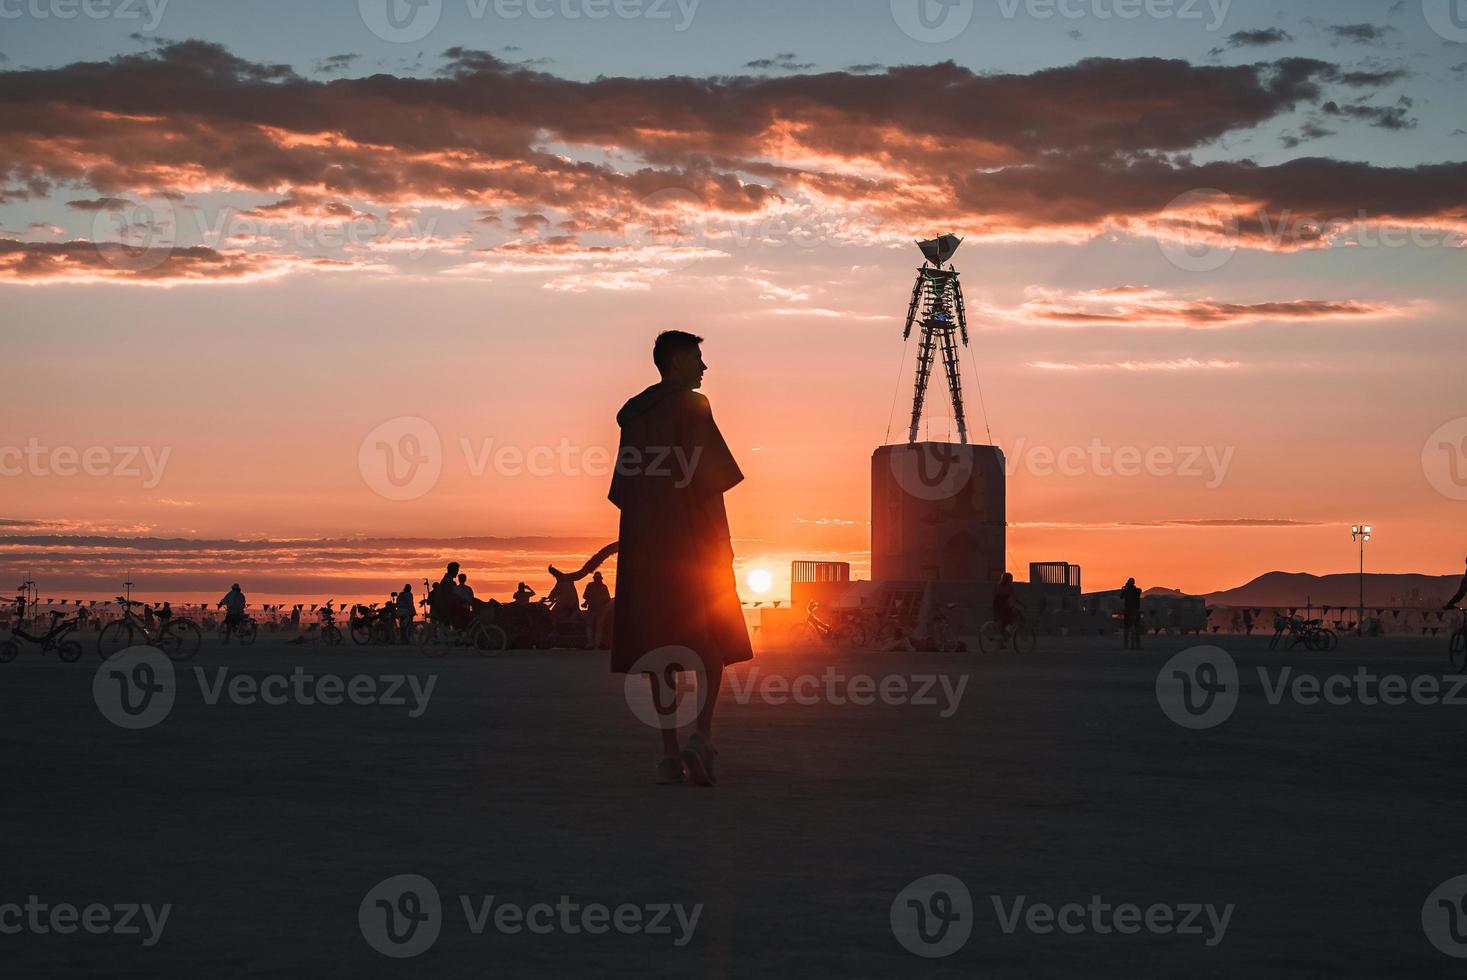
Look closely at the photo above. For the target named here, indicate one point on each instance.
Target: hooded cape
(674, 578)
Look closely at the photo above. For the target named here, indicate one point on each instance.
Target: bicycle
(179, 638)
(1457, 645)
(1311, 633)
(54, 638)
(245, 630)
(482, 634)
(992, 637)
(331, 634)
(370, 625)
(848, 632)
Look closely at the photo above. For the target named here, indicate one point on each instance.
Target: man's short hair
(668, 343)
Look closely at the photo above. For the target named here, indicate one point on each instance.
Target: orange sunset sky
(1214, 281)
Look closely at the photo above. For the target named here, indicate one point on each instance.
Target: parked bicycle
(55, 639)
(179, 638)
(1311, 633)
(847, 631)
(369, 625)
(483, 634)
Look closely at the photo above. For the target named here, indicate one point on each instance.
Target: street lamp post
(1361, 533)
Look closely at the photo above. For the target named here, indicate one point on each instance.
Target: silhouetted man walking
(676, 595)
(597, 598)
(1131, 614)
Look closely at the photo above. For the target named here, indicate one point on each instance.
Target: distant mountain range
(1299, 588)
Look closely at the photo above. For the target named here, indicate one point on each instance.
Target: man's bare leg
(664, 699)
(714, 680)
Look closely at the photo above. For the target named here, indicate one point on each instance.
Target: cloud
(1361, 33)
(1138, 306)
(42, 263)
(1172, 365)
(108, 204)
(531, 224)
(1063, 153)
(335, 63)
(565, 265)
(1382, 117)
(1227, 522)
(1309, 131)
(1259, 38)
(1364, 79)
(780, 62)
(1233, 522)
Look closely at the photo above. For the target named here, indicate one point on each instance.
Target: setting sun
(759, 580)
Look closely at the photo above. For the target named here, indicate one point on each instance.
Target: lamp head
(940, 250)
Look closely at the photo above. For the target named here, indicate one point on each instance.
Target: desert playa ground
(526, 776)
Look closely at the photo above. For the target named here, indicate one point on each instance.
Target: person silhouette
(675, 577)
(454, 609)
(234, 607)
(1461, 592)
(1006, 603)
(407, 611)
(1131, 615)
(597, 597)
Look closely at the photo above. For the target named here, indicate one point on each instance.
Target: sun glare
(759, 581)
